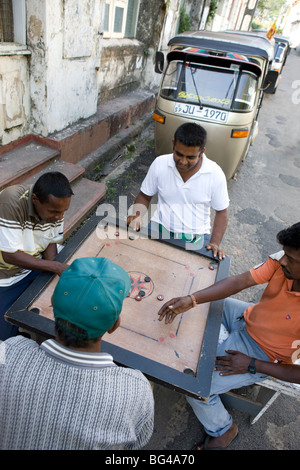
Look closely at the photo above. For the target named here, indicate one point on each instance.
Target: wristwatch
(251, 367)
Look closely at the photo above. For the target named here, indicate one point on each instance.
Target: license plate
(204, 113)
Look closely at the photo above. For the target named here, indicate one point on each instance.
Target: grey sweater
(52, 397)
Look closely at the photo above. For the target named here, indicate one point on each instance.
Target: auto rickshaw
(281, 52)
(215, 79)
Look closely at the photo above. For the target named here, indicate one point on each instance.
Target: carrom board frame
(196, 384)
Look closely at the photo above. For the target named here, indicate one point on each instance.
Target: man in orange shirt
(263, 339)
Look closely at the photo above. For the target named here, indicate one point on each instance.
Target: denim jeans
(212, 414)
(8, 295)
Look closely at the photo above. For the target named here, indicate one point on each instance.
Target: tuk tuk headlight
(238, 133)
(158, 117)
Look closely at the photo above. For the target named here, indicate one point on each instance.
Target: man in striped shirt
(66, 394)
(31, 224)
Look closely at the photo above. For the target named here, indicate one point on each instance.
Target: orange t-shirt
(274, 322)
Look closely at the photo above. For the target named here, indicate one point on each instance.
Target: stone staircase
(25, 160)
(25, 163)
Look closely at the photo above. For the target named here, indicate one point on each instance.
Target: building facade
(61, 59)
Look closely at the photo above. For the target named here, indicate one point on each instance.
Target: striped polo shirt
(21, 229)
(75, 357)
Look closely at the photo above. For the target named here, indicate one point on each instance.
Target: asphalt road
(263, 199)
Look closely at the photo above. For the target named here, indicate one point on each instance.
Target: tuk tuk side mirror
(159, 62)
(270, 79)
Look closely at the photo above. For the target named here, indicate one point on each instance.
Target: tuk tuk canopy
(226, 42)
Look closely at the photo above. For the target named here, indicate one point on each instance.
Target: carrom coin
(160, 297)
(138, 297)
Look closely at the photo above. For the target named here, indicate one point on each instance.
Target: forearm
(220, 290)
(219, 226)
(286, 372)
(26, 261)
(138, 211)
(50, 252)
(141, 204)
(224, 288)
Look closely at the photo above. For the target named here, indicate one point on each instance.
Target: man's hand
(173, 307)
(134, 222)
(60, 267)
(235, 363)
(24, 260)
(217, 233)
(139, 209)
(217, 251)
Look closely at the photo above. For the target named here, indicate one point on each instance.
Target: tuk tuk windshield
(225, 88)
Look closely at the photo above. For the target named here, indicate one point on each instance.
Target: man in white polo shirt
(188, 185)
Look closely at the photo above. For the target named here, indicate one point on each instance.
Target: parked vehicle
(281, 51)
(215, 79)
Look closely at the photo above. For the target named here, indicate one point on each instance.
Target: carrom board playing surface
(158, 271)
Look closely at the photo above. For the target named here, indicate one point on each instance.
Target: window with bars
(6, 21)
(13, 21)
(120, 18)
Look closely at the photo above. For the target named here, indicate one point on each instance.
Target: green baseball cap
(90, 294)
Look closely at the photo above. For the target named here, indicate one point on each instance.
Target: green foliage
(212, 10)
(184, 21)
(256, 25)
(261, 4)
(110, 189)
(268, 10)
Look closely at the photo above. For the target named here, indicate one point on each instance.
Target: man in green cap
(73, 396)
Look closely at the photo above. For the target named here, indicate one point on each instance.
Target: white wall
(229, 15)
(63, 38)
(56, 77)
(14, 93)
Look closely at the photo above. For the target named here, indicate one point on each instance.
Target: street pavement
(264, 198)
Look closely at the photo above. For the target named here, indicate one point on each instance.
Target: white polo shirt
(184, 207)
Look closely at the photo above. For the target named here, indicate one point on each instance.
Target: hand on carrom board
(173, 307)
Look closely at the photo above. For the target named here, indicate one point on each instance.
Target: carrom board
(180, 354)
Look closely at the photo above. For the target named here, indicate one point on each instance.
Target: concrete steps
(79, 140)
(25, 163)
(76, 151)
(87, 195)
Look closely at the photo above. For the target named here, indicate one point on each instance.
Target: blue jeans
(212, 414)
(8, 295)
